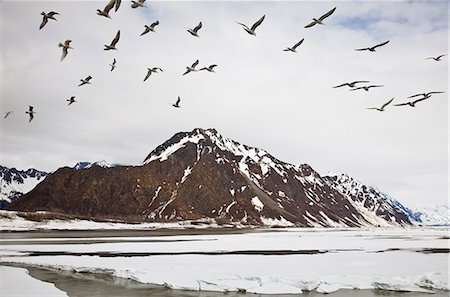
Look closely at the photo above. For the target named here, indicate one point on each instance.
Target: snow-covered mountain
(86, 165)
(370, 200)
(14, 183)
(436, 215)
(203, 175)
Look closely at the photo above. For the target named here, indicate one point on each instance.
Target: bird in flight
(151, 70)
(351, 84)
(8, 113)
(366, 88)
(194, 32)
(30, 112)
(108, 7)
(426, 95)
(150, 28)
(71, 100)
(113, 65)
(293, 49)
(438, 58)
(251, 30)
(136, 4)
(320, 20)
(177, 103)
(85, 81)
(191, 68)
(210, 68)
(383, 106)
(411, 103)
(65, 48)
(46, 17)
(372, 49)
(112, 46)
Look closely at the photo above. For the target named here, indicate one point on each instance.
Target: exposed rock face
(196, 175)
(14, 183)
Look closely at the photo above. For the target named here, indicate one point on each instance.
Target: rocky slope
(200, 175)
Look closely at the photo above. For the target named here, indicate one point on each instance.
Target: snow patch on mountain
(436, 215)
(14, 183)
(86, 165)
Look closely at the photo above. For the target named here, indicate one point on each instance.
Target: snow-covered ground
(273, 261)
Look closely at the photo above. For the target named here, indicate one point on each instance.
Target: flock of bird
(192, 68)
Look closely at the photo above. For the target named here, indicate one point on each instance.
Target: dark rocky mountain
(14, 183)
(199, 175)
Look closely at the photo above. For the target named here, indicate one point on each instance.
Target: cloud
(259, 95)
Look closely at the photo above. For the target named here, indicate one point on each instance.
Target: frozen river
(282, 261)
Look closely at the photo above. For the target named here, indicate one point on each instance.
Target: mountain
(86, 165)
(436, 215)
(200, 175)
(14, 183)
(371, 201)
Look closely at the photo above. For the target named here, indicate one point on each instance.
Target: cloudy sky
(261, 96)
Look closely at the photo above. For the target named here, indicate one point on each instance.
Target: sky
(260, 96)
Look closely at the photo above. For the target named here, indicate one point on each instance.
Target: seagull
(210, 68)
(372, 49)
(251, 31)
(366, 88)
(194, 32)
(65, 48)
(8, 113)
(292, 49)
(351, 84)
(320, 20)
(150, 28)
(46, 17)
(151, 70)
(30, 112)
(412, 103)
(438, 58)
(108, 7)
(85, 81)
(71, 100)
(112, 46)
(426, 95)
(113, 65)
(191, 68)
(136, 4)
(177, 104)
(383, 106)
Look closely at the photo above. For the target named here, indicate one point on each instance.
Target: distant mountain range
(202, 175)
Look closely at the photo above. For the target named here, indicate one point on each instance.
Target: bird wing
(147, 29)
(298, 43)
(212, 66)
(359, 81)
(148, 74)
(109, 6)
(327, 14)
(429, 93)
(387, 103)
(31, 117)
(402, 104)
(374, 86)
(243, 25)
(187, 71)
(178, 101)
(311, 24)
(338, 86)
(438, 57)
(116, 39)
(88, 78)
(67, 42)
(52, 13)
(64, 53)
(358, 88)
(204, 68)
(44, 21)
(195, 64)
(361, 49)
(416, 95)
(134, 5)
(114, 61)
(30, 108)
(198, 27)
(372, 108)
(117, 3)
(381, 44)
(255, 25)
(154, 24)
